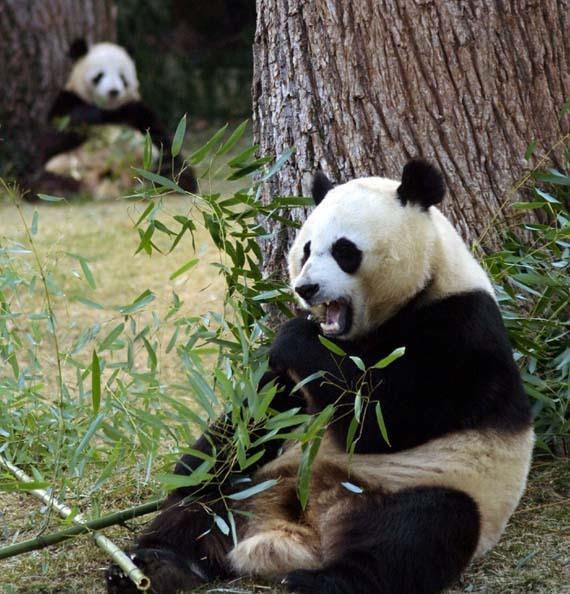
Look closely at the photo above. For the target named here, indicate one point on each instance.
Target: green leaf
(530, 150)
(358, 406)
(95, 382)
(159, 180)
(87, 273)
(283, 158)
(198, 156)
(89, 303)
(331, 346)
(358, 362)
(246, 493)
(48, 198)
(308, 379)
(108, 341)
(179, 137)
(147, 153)
(184, 268)
(35, 219)
(234, 137)
(396, 354)
(381, 424)
(143, 299)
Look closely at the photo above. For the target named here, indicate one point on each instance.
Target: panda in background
(102, 88)
(379, 267)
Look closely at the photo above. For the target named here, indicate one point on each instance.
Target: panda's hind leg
(418, 540)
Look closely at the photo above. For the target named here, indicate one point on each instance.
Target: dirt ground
(533, 556)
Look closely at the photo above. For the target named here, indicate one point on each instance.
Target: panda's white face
(361, 255)
(106, 77)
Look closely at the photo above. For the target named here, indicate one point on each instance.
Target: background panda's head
(103, 75)
(367, 248)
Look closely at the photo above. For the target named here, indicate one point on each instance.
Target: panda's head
(367, 248)
(103, 75)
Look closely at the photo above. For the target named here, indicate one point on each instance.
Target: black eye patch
(347, 255)
(306, 252)
(97, 78)
(125, 81)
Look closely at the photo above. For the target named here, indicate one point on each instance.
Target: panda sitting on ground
(380, 267)
(102, 88)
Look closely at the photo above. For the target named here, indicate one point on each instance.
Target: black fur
(306, 253)
(78, 49)
(457, 373)
(415, 542)
(422, 184)
(347, 255)
(321, 186)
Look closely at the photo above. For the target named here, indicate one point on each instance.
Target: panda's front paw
(295, 345)
(168, 572)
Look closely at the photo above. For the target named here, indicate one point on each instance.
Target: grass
(533, 556)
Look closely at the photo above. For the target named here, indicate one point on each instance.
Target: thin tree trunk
(35, 36)
(358, 87)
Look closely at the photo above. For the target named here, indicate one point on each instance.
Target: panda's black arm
(218, 437)
(298, 352)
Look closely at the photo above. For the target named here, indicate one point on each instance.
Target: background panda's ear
(422, 184)
(321, 186)
(78, 49)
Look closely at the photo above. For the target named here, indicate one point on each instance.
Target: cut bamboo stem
(81, 526)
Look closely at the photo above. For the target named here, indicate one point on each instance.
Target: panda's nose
(114, 93)
(307, 291)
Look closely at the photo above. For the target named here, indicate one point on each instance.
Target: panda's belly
(491, 468)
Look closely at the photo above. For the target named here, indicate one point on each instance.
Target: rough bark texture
(358, 87)
(35, 36)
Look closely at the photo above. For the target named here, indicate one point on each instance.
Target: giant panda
(102, 88)
(378, 267)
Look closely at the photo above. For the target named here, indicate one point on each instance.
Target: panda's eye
(347, 255)
(125, 81)
(306, 252)
(97, 78)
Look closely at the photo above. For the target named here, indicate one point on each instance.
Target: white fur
(403, 248)
(489, 467)
(114, 63)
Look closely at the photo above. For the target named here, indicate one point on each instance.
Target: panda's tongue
(335, 318)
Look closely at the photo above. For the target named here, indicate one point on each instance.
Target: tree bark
(359, 87)
(35, 36)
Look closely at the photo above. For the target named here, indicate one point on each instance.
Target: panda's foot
(309, 581)
(168, 573)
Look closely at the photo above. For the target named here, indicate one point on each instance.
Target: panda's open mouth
(335, 316)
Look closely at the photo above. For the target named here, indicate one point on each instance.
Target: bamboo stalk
(81, 526)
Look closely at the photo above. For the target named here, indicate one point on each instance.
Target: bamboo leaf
(331, 346)
(396, 354)
(95, 382)
(184, 268)
(308, 379)
(246, 493)
(232, 140)
(381, 424)
(179, 137)
(352, 487)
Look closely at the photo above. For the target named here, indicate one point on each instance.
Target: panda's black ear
(422, 184)
(321, 186)
(78, 49)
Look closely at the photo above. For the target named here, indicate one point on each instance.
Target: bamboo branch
(81, 526)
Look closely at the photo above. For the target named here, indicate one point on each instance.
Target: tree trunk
(35, 36)
(358, 87)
